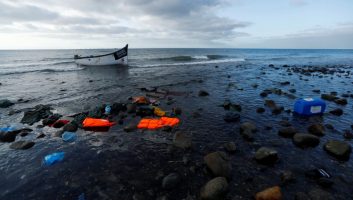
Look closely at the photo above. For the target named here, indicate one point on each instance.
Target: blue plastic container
(69, 136)
(53, 158)
(309, 106)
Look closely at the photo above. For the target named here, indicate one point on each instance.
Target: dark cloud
(182, 19)
(12, 13)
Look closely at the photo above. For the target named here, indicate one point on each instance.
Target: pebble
(203, 93)
(341, 101)
(230, 147)
(231, 117)
(71, 127)
(218, 163)
(272, 193)
(260, 110)
(182, 140)
(171, 181)
(266, 156)
(317, 129)
(214, 189)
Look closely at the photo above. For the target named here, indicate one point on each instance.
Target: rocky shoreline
(223, 149)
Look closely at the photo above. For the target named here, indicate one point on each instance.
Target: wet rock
(177, 111)
(248, 126)
(218, 163)
(203, 93)
(22, 145)
(36, 114)
(287, 176)
(338, 149)
(171, 181)
(270, 103)
(97, 112)
(227, 104)
(24, 133)
(328, 97)
(182, 140)
(337, 112)
(317, 129)
(5, 103)
(277, 110)
(301, 196)
(263, 94)
(348, 134)
(273, 193)
(51, 119)
(230, 147)
(41, 135)
(131, 108)
(132, 126)
(247, 135)
(287, 132)
(341, 101)
(260, 110)
(231, 117)
(71, 127)
(292, 90)
(325, 182)
(319, 194)
(266, 156)
(285, 83)
(316, 91)
(329, 126)
(214, 189)
(8, 136)
(304, 140)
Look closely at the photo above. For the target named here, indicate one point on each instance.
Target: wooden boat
(118, 57)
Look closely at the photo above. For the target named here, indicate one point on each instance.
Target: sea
(120, 165)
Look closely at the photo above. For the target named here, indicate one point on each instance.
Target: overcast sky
(65, 24)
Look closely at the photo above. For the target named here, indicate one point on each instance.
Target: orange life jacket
(92, 122)
(157, 123)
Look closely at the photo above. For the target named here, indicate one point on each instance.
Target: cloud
(181, 19)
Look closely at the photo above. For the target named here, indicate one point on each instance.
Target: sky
(81, 24)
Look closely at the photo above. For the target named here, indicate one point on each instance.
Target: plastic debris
(107, 109)
(309, 106)
(157, 123)
(53, 158)
(69, 136)
(140, 100)
(159, 112)
(93, 122)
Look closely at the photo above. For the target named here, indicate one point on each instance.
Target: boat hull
(116, 58)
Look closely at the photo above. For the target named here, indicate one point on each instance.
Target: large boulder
(5, 103)
(182, 140)
(22, 145)
(305, 140)
(266, 156)
(338, 149)
(214, 189)
(218, 163)
(317, 129)
(287, 132)
(36, 114)
(272, 193)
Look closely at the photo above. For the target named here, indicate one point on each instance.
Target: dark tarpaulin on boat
(121, 53)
